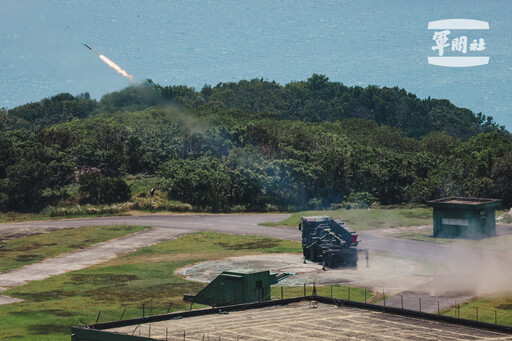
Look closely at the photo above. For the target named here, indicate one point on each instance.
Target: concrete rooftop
(300, 321)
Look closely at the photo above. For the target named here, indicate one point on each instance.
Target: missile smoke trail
(116, 67)
(110, 63)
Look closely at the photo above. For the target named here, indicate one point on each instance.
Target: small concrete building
(472, 218)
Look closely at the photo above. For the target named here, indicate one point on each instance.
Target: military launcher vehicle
(329, 241)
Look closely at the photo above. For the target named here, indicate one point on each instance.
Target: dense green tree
(501, 174)
(96, 189)
(204, 182)
(24, 184)
(254, 144)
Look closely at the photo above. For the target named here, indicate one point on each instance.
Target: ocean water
(206, 42)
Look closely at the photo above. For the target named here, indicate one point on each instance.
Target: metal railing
(461, 313)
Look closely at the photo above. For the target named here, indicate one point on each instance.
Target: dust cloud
(473, 271)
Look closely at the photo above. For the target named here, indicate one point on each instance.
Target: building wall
(464, 223)
(235, 288)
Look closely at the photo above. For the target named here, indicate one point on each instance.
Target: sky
(194, 42)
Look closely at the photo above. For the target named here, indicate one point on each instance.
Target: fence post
(124, 311)
(438, 310)
(458, 310)
(420, 304)
(384, 296)
(402, 300)
(331, 290)
(364, 295)
(495, 317)
(282, 294)
(143, 310)
(304, 289)
(477, 314)
(348, 293)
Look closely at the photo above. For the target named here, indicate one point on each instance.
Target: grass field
(497, 244)
(423, 236)
(366, 219)
(15, 253)
(337, 291)
(485, 309)
(87, 211)
(144, 277)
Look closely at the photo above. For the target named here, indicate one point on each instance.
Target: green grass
(496, 244)
(423, 236)
(145, 276)
(63, 212)
(366, 219)
(17, 252)
(338, 291)
(487, 308)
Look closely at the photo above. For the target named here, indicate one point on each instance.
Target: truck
(328, 241)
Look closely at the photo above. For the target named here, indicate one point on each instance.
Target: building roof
(465, 203)
(316, 218)
(301, 320)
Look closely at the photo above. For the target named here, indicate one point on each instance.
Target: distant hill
(253, 146)
(314, 100)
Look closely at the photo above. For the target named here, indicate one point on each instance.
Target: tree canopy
(255, 144)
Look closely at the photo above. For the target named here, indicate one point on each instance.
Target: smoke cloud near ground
(176, 113)
(473, 271)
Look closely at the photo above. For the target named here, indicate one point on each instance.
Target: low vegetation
(336, 291)
(17, 252)
(122, 286)
(492, 309)
(366, 219)
(499, 243)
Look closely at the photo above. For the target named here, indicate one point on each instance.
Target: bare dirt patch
(383, 273)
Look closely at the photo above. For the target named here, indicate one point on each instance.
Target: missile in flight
(110, 63)
(90, 48)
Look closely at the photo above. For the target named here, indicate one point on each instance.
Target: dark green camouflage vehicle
(328, 241)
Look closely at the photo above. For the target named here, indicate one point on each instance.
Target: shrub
(96, 189)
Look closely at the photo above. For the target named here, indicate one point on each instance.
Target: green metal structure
(235, 288)
(471, 218)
